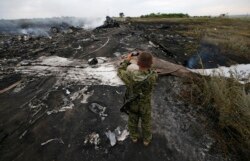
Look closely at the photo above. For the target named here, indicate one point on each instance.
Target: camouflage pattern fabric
(139, 83)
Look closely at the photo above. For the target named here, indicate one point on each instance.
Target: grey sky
(10, 9)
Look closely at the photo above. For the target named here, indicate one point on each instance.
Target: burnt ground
(30, 112)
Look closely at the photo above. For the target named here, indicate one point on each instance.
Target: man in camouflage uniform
(139, 87)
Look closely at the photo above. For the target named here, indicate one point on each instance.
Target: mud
(47, 116)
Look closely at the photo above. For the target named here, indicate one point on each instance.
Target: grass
(227, 102)
(232, 35)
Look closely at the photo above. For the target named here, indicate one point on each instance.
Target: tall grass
(228, 102)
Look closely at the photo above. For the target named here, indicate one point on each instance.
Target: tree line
(165, 15)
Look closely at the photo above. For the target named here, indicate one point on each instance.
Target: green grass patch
(227, 103)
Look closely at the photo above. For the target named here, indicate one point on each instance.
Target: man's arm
(122, 73)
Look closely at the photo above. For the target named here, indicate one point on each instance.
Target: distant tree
(165, 15)
(121, 14)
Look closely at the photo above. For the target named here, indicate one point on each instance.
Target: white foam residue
(103, 73)
(55, 61)
(241, 72)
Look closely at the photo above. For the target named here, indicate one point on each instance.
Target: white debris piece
(117, 135)
(152, 44)
(87, 39)
(86, 96)
(50, 140)
(51, 112)
(111, 137)
(93, 138)
(62, 109)
(82, 94)
(241, 72)
(79, 47)
(23, 134)
(67, 107)
(98, 109)
(67, 92)
(122, 135)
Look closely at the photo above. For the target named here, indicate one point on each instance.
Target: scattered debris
(19, 87)
(98, 109)
(67, 105)
(73, 70)
(111, 137)
(92, 61)
(67, 92)
(54, 30)
(160, 46)
(25, 63)
(64, 64)
(108, 39)
(10, 87)
(59, 140)
(23, 134)
(79, 47)
(121, 135)
(117, 135)
(63, 109)
(82, 94)
(36, 103)
(109, 23)
(93, 138)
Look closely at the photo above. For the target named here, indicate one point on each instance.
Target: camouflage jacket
(139, 83)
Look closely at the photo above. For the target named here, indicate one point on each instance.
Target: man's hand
(130, 55)
(127, 57)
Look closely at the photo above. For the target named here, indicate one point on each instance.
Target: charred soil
(47, 116)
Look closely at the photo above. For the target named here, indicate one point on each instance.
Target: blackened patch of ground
(9, 80)
(178, 131)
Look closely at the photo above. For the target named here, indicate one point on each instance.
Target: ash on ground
(57, 105)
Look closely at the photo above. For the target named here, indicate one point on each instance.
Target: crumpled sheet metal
(165, 67)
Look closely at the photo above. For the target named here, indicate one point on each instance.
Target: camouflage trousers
(146, 123)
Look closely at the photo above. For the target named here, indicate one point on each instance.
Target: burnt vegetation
(199, 119)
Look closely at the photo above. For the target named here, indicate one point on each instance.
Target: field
(49, 91)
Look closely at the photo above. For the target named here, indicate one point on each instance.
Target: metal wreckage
(60, 96)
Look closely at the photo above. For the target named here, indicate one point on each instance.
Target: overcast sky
(12, 9)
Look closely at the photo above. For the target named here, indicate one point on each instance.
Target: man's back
(139, 88)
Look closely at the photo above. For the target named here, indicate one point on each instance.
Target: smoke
(42, 27)
(208, 56)
(93, 23)
(34, 32)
